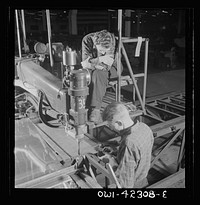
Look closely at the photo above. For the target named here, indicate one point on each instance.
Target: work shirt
(134, 155)
(90, 50)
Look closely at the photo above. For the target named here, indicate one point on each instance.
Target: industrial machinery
(51, 90)
(63, 96)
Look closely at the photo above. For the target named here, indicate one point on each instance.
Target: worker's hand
(107, 158)
(94, 61)
(99, 67)
(107, 59)
(86, 63)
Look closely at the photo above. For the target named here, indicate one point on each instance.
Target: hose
(41, 116)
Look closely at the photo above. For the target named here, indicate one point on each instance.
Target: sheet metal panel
(33, 156)
(43, 80)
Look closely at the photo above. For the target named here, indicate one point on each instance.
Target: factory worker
(98, 55)
(132, 162)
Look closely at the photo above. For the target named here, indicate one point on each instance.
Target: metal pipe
(119, 54)
(18, 34)
(138, 75)
(145, 71)
(23, 25)
(131, 40)
(26, 48)
(49, 37)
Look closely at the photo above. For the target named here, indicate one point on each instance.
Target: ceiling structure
(63, 13)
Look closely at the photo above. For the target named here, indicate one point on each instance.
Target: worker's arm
(98, 63)
(89, 53)
(92, 58)
(88, 50)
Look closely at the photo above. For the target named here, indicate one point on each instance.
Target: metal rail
(41, 182)
(170, 105)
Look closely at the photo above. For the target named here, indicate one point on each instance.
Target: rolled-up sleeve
(87, 47)
(126, 169)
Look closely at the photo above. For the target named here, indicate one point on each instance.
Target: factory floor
(159, 82)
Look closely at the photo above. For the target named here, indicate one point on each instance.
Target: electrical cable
(41, 116)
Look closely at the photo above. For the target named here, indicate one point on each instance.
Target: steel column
(119, 55)
(26, 48)
(145, 70)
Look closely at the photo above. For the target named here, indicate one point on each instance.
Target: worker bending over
(98, 55)
(132, 163)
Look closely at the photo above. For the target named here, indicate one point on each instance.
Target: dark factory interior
(57, 144)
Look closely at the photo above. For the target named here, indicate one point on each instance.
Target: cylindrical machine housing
(78, 90)
(69, 58)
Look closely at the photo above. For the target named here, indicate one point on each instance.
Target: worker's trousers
(98, 86)
(141, 184)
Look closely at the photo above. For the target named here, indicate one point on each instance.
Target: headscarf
(105, 39)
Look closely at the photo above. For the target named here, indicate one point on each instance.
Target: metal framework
(121, 41)
(173, 118)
